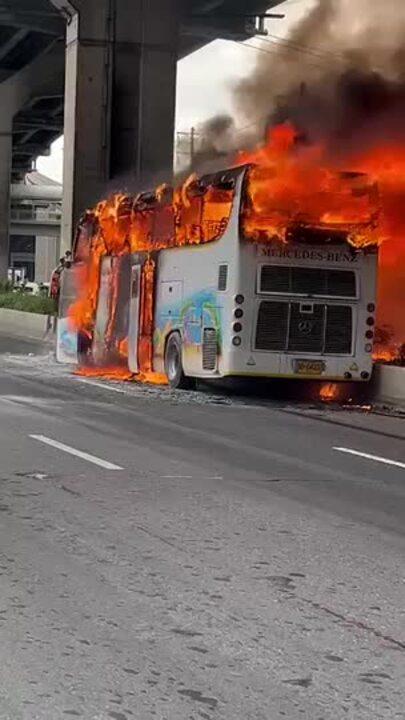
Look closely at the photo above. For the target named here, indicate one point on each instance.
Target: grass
(5, 286)
(27, 303)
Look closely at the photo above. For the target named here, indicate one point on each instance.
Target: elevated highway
(31, 28)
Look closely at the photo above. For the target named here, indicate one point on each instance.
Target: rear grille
(307, 281)
(281, 326)
(272, 326)
(209, 350)
(338, 337)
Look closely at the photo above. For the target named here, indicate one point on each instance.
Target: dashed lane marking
(192, 477)
(77, 453)
(104, 386)
(367, 456)
(177, 477)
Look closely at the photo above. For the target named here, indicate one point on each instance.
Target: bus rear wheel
(174, 365)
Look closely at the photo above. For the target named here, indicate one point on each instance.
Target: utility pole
(186, 145)
(192, 145)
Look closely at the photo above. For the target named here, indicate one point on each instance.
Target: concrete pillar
(35, 80)
(46, 258)
(6, 143)
(121, 59)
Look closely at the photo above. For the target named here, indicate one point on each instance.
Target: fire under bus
(225, 294)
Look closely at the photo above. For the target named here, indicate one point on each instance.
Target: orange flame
(293, 185)
(121, 374)
(329, 392)
(385, 355)
(108, 373)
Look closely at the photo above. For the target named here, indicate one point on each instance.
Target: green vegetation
(27, 303)
(5, 286)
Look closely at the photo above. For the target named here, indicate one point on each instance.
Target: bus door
(103, 310)
(111, 323)
(134, 315)
(67, 337)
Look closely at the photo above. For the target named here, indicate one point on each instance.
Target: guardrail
(31, 326)
(388, 384)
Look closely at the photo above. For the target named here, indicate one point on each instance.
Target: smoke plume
(339, 76)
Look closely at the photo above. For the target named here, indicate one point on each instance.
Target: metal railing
(39, 215)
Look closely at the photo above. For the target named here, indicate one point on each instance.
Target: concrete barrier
(388, 384)
(27, 326)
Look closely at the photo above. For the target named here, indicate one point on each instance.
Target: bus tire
(174, 365)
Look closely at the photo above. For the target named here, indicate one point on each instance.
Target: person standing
(54, 287)
(68, 259)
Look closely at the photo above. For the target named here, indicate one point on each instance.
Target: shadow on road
(292, 391)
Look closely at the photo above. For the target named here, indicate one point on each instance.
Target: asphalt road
(18, 346)
(201, 560)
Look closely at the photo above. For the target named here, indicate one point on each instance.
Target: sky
(205, 80)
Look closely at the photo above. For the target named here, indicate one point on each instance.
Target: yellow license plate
(309, 367)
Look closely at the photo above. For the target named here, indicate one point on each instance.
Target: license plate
(309, 367)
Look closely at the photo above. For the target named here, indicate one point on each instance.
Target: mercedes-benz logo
(305, 327)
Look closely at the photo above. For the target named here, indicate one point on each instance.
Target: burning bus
(303, 308)
(226, 278)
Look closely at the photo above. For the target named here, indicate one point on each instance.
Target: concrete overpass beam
(121, 61)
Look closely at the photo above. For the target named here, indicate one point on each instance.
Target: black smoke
(339, 77)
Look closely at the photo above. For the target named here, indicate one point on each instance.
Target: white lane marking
(103, 386)
(177, 477)
(78, 453)
(367, 456)
(191, 477)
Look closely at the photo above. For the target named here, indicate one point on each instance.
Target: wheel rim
(173, 360)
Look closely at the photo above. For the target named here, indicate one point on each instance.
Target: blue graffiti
(192, 315)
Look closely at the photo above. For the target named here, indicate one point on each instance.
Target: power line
(326, 61)
(273, 52)
(268, 52)
(317, 52)
(293, 2)
(255, 123)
